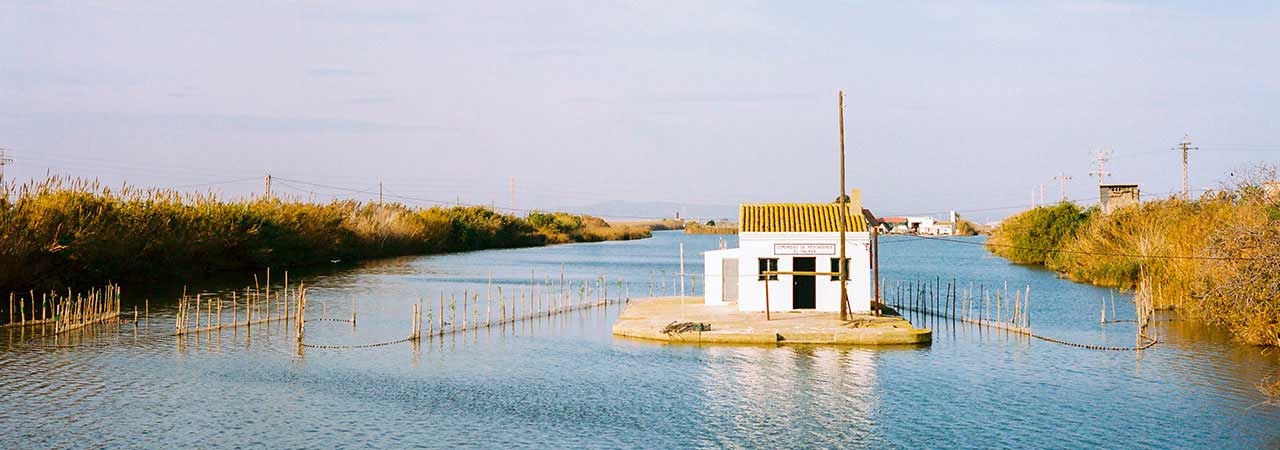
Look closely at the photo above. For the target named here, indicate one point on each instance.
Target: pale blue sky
(951, 105)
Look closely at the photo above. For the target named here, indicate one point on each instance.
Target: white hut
(792, 237)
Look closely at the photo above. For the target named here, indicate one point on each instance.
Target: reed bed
(63, 232)
(561, 228)
(1211, 258)
(696, 228)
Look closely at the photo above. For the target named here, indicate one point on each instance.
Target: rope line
(476, 327)
(329, 320)
(1151, 341)
(341, 347)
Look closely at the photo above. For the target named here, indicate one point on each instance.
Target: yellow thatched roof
(798, 217)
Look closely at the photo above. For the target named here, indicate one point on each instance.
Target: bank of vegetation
(63, 232)
(653, 224)
(711, 227)
(967, 228)
(1216, 258)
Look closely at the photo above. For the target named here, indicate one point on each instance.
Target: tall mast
(844, 218)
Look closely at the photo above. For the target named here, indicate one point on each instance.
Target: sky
(967, 106)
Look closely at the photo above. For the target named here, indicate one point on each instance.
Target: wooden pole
(875, 251)
(1026, 300)
(766, 296)
(682, 281)
(844, 213)
(197, 313)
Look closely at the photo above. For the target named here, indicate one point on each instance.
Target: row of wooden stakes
(658, 283)
(258, 305)
(66, 313)
(974, 303)
(533, 301)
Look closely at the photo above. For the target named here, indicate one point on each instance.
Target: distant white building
(792, 237)
(929, 226)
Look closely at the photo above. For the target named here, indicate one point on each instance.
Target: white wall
(761, 245)
(713, 266)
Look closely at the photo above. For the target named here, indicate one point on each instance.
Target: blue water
(565, 381)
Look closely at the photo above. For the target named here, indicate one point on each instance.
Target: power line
(213, 183)
(1101, 157)
(3, 160)
(441, 202)
(1062, 180)
(1185, 145)
(1081, 252)
(1083, 200)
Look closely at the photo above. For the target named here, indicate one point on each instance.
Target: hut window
(768, 264)
(835, 267)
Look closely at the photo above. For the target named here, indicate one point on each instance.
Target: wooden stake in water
(268, 302)
(682, 293)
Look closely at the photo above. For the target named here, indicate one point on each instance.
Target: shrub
(1025, 237)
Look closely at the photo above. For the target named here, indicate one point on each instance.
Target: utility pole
(1101, 157)
(3, 160)
(1185, 145)
(844, 218)
(379, 193)
(1062, 182)
(1041, 195)
(266, 187)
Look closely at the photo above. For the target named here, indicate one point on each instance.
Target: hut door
(802, 287)
(729, 279)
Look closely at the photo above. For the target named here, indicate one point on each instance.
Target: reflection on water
(565, 382)
(754, 392)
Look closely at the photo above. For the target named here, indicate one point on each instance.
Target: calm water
(565, 382)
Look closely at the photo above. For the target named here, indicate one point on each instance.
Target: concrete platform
(645, 319)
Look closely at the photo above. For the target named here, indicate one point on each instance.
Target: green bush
(1025, 237)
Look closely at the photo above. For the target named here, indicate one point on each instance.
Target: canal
(565, 381)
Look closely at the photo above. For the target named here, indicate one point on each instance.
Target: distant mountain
(624, 210)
